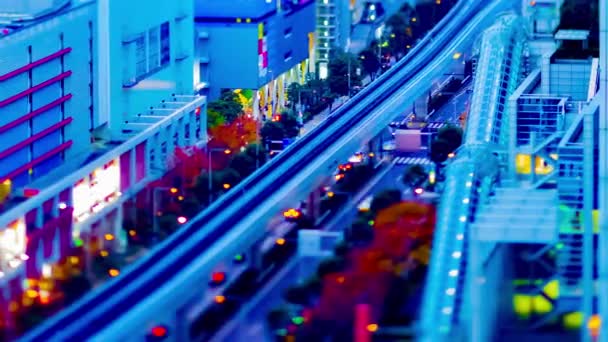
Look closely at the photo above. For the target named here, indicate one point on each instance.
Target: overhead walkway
(161, 286)
(470, 179)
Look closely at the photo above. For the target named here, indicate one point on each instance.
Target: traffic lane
(451, 111)
(252, 325)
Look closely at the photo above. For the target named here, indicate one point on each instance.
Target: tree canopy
(338, 73)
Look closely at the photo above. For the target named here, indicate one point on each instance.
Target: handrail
(118, 296)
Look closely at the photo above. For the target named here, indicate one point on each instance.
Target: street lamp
(155, 209)
(210, 170)
(347, 50)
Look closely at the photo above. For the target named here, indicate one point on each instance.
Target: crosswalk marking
(412, 161)
(399, 123)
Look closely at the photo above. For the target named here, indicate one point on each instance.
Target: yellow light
(227, 151)
(31, 293)
(104, 253)
(371, 154)
(280, 241)
(457, 55)
(372, 327)
(220, 299)
(132, 232)
(74, 260)
(7, 182)
(414, 19)
(330, 194)
(173, 190)
(113, 272)
(573, 320)
(594, 324)
(180, 198)
(226, 186)
(551, 289)
(109, 237)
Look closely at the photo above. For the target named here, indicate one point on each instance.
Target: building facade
(93, 103)
(46, 87)
(258, 46)
(334, 20)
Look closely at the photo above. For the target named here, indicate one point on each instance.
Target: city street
(249, 324)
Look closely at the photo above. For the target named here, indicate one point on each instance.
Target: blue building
(259, 47)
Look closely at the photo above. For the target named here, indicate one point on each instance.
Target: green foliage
(451, 134)
(256, 151)
(338, 70)
(277, 318)
(272, 130)
(291, 126)
(360, 231)
(440, 148)
(414, 176)
(331, 265)
(243, 163)
(214, 118)
(227, 105)
(298, 295)
(369, 62)
(385, 199)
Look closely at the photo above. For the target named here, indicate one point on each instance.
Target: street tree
(370, 62)
(338, 73)
(440, 148)
(414, 176)
(291, 126)
(214, 118)
(228, 105)
(451, 134)
(385, 199)
(272, 130)
(243, 163)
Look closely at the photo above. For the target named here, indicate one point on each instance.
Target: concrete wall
(232, 49)
(125, 92)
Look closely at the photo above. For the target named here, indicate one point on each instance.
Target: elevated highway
(163, 285)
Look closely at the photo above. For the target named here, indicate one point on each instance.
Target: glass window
(153, 49)
(165, 44)
(141, 62)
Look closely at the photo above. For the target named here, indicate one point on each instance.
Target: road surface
(249, 324)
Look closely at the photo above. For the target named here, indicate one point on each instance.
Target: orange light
(180, 198)
(113, 272)
(44, 300)
(226, 186)
(220, 299)
(372, 327)
(280, 241)
(109, 237)
(173, 190)
(104, 253)
(340, 280)
(227, 151)
(132, 232)
(330, 194)
(159, 331)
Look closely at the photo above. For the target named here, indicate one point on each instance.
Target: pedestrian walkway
(413, 161)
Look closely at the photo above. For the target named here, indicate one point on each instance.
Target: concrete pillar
(603, 171)
(192, 125)
(313, 205)
(256, 104)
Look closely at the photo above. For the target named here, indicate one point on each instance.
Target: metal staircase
(515, 215)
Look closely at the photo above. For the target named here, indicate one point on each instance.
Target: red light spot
(159, 331)
(197, 111)
(218, 277)
(30, 192)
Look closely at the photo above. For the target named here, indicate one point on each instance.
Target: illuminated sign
(94, 192)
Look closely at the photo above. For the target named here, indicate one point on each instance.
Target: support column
(603, 172)
(256, 105)
(133, 166)
(192, 125)
(313, 205)
(121, 237)
(588, 249)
